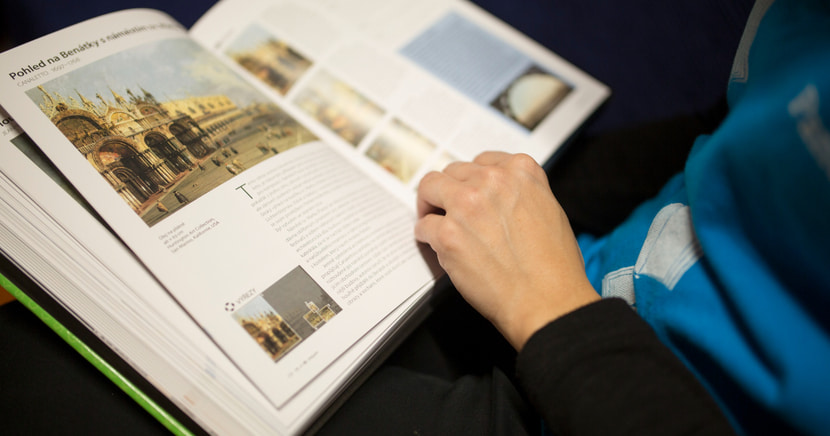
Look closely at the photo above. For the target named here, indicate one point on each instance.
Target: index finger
(432, 193)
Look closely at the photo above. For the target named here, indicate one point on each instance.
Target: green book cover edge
(90, 355)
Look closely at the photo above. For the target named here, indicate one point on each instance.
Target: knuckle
(526, 166)
(428, 177)
(448, 237)
(453, 165)
(470, 200)
(524, 162)
(495, 177)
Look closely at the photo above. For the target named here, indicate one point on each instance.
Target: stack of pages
(230, 209)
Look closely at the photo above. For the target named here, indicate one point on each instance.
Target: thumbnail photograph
(531, 97)
(339, 107)
(400, 150)
(290, 310)
(269, 59)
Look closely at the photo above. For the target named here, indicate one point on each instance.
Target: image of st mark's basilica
(159, 156)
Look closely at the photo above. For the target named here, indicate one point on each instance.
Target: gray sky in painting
(169, 69)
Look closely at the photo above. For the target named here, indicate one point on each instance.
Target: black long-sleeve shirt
(601, 370)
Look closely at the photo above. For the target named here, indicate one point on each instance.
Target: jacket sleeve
(601, 370)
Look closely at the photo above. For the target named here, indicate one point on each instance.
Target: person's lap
(453, 375)
(397, 400)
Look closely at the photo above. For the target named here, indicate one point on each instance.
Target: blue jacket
(730, 263)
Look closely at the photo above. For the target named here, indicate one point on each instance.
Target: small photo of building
(338, 106)
(289, 311)
(400, 150)
(267, 327)
(268, 59)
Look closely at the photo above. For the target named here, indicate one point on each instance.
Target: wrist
(531, 314)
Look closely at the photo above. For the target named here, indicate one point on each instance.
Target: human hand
(505, 242)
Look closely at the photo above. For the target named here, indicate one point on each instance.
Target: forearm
(602, 370)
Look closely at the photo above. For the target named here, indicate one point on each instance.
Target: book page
(280, 249)
(405, 87)
(53, 235)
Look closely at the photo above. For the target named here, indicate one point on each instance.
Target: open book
(233, 206)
